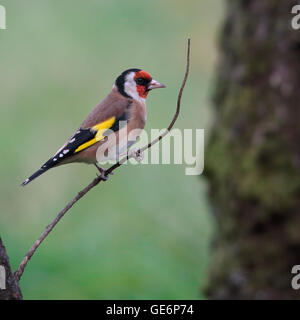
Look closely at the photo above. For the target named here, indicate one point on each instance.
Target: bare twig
(97, 180)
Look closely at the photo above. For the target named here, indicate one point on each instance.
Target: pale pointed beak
(155, 85)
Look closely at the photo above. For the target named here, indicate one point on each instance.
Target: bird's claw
(103, 174)
(136, 154)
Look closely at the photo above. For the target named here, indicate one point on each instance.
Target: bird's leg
(102, 172)
(136, 154)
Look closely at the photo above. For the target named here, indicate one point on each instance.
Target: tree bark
(12, 289)
(253, 155)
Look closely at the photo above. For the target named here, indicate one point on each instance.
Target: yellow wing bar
(100, 128)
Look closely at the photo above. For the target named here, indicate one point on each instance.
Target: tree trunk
(12, 289)
(253, 157)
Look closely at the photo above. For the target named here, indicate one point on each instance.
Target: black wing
(80, 137)
(83, 137)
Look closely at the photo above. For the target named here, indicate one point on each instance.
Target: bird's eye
(141, 81)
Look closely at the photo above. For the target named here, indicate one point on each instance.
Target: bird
(108, 125)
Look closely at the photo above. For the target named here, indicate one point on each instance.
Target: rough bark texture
(12, 291)
(253, 154)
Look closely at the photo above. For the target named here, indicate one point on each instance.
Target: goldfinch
(121, 112)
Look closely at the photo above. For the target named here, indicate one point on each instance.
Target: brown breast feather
(113, 105)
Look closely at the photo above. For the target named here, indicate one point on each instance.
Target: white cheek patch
(130, 87)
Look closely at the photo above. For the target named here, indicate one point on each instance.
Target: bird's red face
(142, 79)
(136, 84)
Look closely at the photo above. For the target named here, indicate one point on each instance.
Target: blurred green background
(145, 233)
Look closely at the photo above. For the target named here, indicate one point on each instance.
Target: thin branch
(97, 180)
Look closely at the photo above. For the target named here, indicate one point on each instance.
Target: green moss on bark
(253, 154)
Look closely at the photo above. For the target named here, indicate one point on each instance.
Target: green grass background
(145, 233)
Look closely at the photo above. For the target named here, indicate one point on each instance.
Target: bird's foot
(103, 174)
(136, 154)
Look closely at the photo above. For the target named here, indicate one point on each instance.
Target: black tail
(48, 165)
